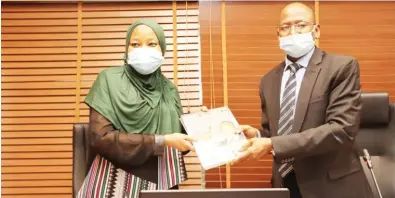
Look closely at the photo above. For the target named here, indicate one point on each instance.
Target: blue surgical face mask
(145, 60)
(297, 45)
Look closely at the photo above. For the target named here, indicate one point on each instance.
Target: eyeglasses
(298, 27)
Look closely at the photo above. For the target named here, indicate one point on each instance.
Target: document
(218, 143)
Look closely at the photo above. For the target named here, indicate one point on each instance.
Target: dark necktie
(287, 109)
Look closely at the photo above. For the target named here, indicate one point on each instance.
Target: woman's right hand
(179, 141)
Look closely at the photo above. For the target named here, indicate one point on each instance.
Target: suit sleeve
(265, 131)
(119, 146)
(342, 121)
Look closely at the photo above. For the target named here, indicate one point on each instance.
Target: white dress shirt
(303, 63)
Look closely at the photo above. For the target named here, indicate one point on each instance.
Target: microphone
(366, 158)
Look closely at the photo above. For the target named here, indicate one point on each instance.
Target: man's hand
(249, 131)
(255, 149)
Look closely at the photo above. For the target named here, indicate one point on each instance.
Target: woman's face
(143, 36)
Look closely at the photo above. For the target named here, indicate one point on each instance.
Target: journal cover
(218, 143)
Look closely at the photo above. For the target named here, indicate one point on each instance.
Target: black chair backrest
(377, 135)
(82, 155)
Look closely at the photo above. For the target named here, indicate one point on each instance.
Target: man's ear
(317, 31)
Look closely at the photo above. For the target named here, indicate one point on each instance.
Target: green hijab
(135, 103)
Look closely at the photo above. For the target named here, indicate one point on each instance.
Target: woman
(134, 122)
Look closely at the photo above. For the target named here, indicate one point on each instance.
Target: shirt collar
(304, 61)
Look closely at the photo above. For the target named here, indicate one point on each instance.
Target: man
(310, 115)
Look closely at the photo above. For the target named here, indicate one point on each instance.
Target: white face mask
(145, 60)
(297, 45)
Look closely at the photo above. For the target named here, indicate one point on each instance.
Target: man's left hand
(255, 149)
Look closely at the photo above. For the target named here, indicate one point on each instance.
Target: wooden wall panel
(39, 71)
(51, 54)
(369, 36)
(212, 82)
(38, 91)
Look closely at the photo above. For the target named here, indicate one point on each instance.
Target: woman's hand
(179, 141)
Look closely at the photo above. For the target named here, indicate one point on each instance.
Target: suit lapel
(308, 82)
(275, 95)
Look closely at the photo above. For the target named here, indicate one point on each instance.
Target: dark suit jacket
(321, 146)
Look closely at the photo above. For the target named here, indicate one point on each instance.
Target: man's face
(297, 19)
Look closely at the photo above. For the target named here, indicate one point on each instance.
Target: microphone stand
(366, 158)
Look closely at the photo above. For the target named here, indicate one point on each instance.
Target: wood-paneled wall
(365, 30)
(51, 54)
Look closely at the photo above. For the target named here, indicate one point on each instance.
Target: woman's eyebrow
(152, 39)
(135, 37)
